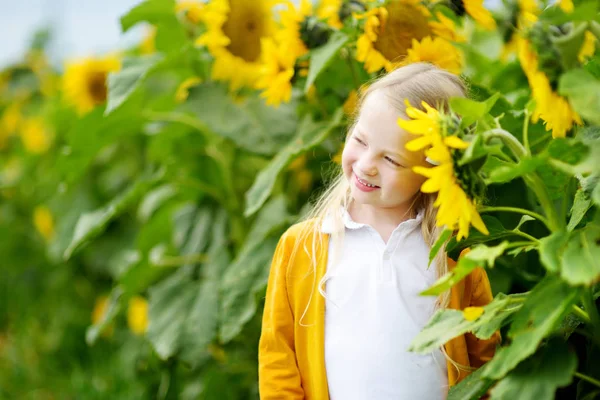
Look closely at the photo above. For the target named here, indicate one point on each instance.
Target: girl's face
(375, 161)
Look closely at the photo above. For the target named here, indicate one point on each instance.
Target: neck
(382, 219)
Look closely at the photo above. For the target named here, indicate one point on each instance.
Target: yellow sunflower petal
(455, 142)
(418, 144)
(472, 313)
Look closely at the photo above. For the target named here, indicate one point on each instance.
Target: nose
(366, 165)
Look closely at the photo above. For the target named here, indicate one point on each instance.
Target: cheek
(408, 183)
(348, 159)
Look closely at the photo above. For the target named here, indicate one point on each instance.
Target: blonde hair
(415, 82)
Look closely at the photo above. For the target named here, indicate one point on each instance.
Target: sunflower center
(458, 7)
(97, 87)
(405, 22)
(248, 21)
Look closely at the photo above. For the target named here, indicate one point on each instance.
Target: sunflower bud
(349, 7)
(548, 56)
(314, 33)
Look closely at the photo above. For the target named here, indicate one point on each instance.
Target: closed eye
(359, 141)
(393, 162)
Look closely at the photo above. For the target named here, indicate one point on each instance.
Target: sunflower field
(143, 192)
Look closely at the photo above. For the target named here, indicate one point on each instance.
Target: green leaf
(123, 83)
(169, 305)
(250, 270)
(321, 57)
(584, 11)
(92, 224)
(583, 91)
(496, 170)
(91, 133)
(478, 149)
(545, 307)
(248, 122)
(448, 324)
(310, 135)
(581, 204)
(242, 280)
(471, 110)
(152, 11)
(112, 310)
(170, 34)
(471, 388)
(201, 324)
(479, 256)
(438, 244)
(154, 199)
(569, 44)
(551, 249)
(581, 258)
(539, 376)
(523, 219)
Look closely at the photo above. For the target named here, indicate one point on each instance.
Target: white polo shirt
(373, 311)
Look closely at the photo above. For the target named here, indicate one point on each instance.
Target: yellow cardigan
(291, 348)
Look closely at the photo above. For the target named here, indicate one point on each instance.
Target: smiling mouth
(366, 183)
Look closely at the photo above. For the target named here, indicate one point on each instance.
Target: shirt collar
(327, 226)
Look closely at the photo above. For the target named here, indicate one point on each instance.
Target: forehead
(378, 121)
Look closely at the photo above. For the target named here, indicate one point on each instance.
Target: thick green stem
(526, 236)
(590, 307)
(526, 133)
(587, 378)
(517, 210)
(532, 179)
(511, 142)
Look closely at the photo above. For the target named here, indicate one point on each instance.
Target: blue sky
(81, 27)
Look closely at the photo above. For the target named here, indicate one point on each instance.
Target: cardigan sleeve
(481, 351)
(278, 374)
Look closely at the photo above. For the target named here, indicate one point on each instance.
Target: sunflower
(388, 33)
(101, 308)
(445, 28)
(276, 73)
(44, 222)
(84, 81)
(137, 315)
(588, 47)
(11, 118)
(436, 51)
(566, 5)
(234, 30)
(528, 11)
(476, 10)
(35, 136)
(182, 92)
(553, 109)
(329, 10)
(280, 52)
(289, 34)
(456, 208)
(191, 9)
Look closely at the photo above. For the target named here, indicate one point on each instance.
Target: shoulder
(476, 283)
(302, 230)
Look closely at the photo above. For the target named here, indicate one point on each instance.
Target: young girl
(342, 301)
